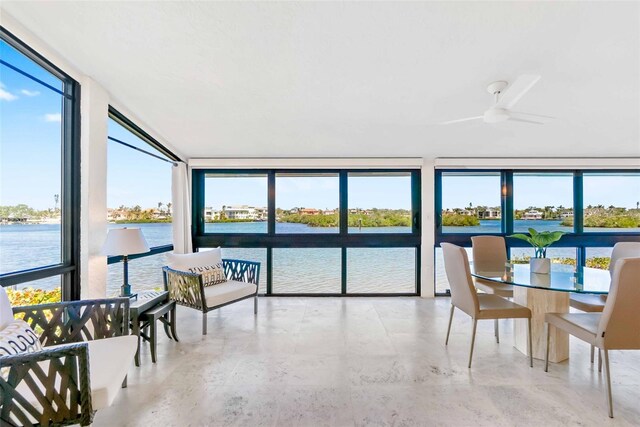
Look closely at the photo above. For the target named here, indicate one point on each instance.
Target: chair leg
(530, 343)
(608, 382)
(599, 360)
(255, 304)
(546, 354)
(165, 323)
(592, 353)
(173, 324)
(154, 340)
(496, 329)
(204, 323)
(449, 327)
(473, 340)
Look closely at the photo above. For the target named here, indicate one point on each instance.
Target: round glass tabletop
(563, 278)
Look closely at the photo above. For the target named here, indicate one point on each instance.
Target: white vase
(540, 265)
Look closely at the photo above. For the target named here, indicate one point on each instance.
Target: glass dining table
(546, 293)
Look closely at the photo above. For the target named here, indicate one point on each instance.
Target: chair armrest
(77, 321)
(59, 392)
(184, 287)
(242, 271)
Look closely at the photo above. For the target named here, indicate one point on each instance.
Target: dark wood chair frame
(187, 289)
(66, 397)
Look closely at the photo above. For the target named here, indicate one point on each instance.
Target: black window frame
(578, 239)
(136, 130)
(69, 267)
(341, 240)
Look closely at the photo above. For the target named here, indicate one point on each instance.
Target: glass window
(138, 187)
(598, 258)
(43, 291)
(379, 202)
(381, 270)
(543, 201)
(471, 202)
(31, 196)
(307, 270)
(611, 202)
(235, 203)
(565, 256)
(307, 203)
(251, 254)
(145, 274)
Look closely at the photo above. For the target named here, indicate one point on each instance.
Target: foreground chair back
(623, 250)
(86, 356)
(490, 254)
(595, 303)
(616, 328)
(478, 306)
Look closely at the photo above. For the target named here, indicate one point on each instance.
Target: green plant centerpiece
(540, 241)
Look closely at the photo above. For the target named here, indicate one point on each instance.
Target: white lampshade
(125, 241)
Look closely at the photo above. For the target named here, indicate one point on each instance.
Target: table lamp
(125, 241)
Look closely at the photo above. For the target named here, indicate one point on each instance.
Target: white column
(94, 109)
(427, 226)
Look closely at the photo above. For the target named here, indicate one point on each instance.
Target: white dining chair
(595, 303)
(479, 306)
(616, 328)
(490, 254)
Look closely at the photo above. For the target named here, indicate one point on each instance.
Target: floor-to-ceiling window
(39, 177)
(138, 195)
(320, 232)
(596, 209)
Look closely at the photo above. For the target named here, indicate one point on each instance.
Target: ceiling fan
(505, 99)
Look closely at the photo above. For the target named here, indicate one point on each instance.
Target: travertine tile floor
(361, 361)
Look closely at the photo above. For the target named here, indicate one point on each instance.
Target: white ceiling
(358, 79)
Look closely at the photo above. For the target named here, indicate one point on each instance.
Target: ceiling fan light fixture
(496, 115)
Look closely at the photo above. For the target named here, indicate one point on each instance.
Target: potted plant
(540, 241)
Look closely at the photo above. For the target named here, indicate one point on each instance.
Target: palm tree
(169, 208)
(56, 198)
(160, 204)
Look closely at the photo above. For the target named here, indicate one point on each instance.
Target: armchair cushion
(185, 262)
(227, 292)
(16, 338)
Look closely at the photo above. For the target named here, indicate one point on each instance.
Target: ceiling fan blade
(517, 90)
(533, 115)
(515, 119)
(466, 119)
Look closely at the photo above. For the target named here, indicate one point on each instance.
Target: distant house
(489, 213)
(309, 211)
(244, 212)
(567, 215)
(211, 214)
(532, 215)
(329, 212)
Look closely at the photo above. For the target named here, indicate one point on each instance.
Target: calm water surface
(315, 270)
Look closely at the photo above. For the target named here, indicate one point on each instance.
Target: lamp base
(125, 290)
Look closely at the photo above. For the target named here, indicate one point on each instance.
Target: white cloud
(6, 96)
(53, 118)
(29, 92)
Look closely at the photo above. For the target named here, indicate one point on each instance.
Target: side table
(150, 301)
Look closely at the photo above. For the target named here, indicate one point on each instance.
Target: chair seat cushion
(225, 292)
(500, 289)
(580, 325)
(588, 303)
(495, 307)
(109, 362)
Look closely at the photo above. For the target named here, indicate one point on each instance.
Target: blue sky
(30, 133)
(389, 192)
